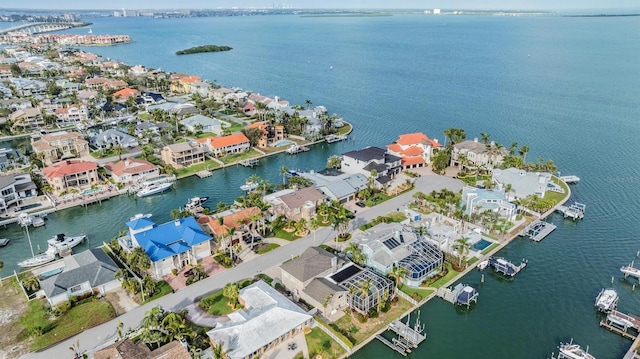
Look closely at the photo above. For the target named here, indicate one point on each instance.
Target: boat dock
(408, 337)
(538, 230)
(461, 294)
(335, 138)
(505, 267)
(570, 179)
(204, 174)
(630, 270)
(250, 163)
(297, 149)
(621, 323)
(574, 211)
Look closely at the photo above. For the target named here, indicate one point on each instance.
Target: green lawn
(472, 260)
(490, 248)
(269, 247)
(76, 320)
(344, 129)
(107, 153)
(361, 331)
(416, 293)
(216, 304)
(319, 343)
(206, 134)
(281, 233)
(555, 196)
(240, 156)
(163, 289)
(235, 127)
(377, 199)
(206, 165)
(444, 280)
(387, 218)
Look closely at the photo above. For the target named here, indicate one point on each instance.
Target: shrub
(373, 313)
(265, 278)
(62, 308)
(386, 307)
(361, 318)
(174, 271)
(279, 287)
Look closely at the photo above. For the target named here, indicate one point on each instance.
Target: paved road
(105, 334)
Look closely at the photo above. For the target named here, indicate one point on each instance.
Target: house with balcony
(67, 175)
(13, 189)
(26, 118)
(56, 146)
(171, 245)
(242, 223)
(393, 244)
(90, 271)
(415, 149)
(226, 145)
(184, 154)
(370, 160)
(337, 186)
(266, 320)
(123, 95)
(478, 200)
(71, 115)
(474, 154)
(296, 204)
(132, 170)
(270, 134)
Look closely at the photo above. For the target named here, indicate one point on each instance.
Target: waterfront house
(523, 183)
(10, 158)
(267, 319)
(294, 205)
(146, 128)
(415, 149)
(14, 104)
(202, 123)
(127, 349)
(342, 187)
(171, 245)
(226, 145)
(270, 134)
(112, 137)
(308, 278)
(71, 175)
(393, 244)
(90, 271)
(184, 154)
(71, 115)
(220, 92)
(13, 189)
(97, 83)
(478, 200)
(181, 83)
(370, 159)
(175, 108)
(241, 221)
(55, 146)
(26, 119)
(132, 170)
(474, 154)
(366, 288)
(441, 230)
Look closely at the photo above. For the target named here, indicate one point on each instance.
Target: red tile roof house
(131, 170)
(415, 149)
(240, 220)
(226, 145)
(122, 95)
(66, 175)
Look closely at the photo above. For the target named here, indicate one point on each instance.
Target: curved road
(105, 334)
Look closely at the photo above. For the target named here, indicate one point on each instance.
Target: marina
(503, 266)
(574, 211)
(538, 230)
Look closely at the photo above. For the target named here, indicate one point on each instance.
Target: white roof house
(267, 318)
(522, 183)
(208, 124)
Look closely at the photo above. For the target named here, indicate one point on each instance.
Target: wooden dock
(250, 163)
(538, 230)
(574, 211)
(204, 174)
(622, 323)
(408, 337)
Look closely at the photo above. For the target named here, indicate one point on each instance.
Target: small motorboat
(154, 188)
(195, 203)
(4, 241)
(483, 265)
(249, 186)
(61, 242)
(573, 351)
(607, 300)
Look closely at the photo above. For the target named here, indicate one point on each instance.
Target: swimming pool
(283, 143)
(30, 206)
(481, 244)
(90, 191)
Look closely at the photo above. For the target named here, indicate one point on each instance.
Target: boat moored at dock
(195, 203)
(40, 259)
(249, 186)
(154, 188)
(570, 179)
(505, 267)
(572, 351)
(335, 138)
(62, 242)
(607, 300)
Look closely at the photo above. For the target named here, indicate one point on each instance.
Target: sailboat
(90, 31)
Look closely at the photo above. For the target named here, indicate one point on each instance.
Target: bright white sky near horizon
(328, 4)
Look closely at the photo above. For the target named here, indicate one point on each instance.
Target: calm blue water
(567, 87)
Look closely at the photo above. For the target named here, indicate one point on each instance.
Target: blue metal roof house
(170, 245)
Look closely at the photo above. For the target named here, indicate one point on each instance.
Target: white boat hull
(40, 259)
(66, 242)
(154, 189)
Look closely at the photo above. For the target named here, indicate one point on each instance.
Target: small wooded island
(204, 48)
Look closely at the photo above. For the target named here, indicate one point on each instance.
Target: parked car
(188, 272)
(360, 204)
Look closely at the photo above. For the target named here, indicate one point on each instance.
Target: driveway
(105, 334)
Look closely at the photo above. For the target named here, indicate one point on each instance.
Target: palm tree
(314, 224)
(176, 213)
(323, 210)
(462, 246)
(357, 256)
(218, 351)
(176, 327)
(283, 171)
(485, 137)
(334, 162)
(230, 233)
(513, 148)
(397, 273)
(363, 292)
(138, 260)
(231, 292)
(301, 226)
(523, 152)
(308, 103)
(507, 189)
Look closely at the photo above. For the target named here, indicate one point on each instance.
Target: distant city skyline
(325, 4)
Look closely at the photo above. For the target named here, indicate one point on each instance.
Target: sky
(324, 4)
